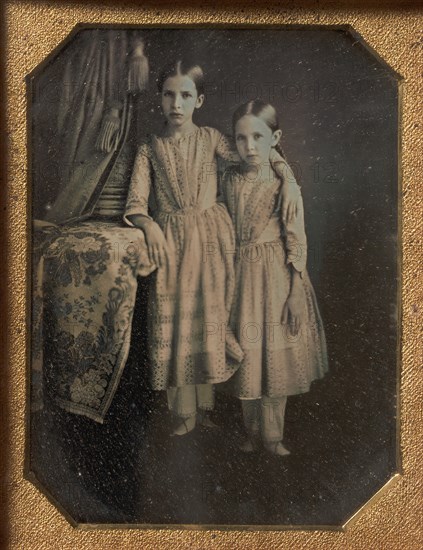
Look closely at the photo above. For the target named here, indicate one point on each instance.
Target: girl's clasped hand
(293, 314)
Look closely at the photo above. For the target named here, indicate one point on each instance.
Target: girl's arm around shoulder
(224, 146)
(295, 239)
(290, 189)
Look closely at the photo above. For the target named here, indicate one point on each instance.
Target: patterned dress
(275, 363)
(190, 297)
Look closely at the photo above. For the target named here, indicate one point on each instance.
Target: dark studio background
(338, 110)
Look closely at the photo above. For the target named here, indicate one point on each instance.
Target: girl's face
(254, 139)
(180, 99)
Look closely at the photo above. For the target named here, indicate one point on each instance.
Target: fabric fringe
(138, 69)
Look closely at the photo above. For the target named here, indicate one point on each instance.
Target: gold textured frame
(391, 519)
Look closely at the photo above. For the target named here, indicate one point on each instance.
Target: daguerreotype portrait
(214, 276)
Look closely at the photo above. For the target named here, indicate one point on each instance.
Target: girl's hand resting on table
(156, 243)
(293, 313)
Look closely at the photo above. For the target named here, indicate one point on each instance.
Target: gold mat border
(391, 520)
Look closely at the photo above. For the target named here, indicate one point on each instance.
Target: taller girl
(190, 238)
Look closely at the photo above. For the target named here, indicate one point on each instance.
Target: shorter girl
(275, 315)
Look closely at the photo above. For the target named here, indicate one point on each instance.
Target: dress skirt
(190, 299)
(275, 362)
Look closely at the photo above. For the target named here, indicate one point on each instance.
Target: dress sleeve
(296, 240)
(223, 187)
(225, 148)
(140, 185)
(281, 167)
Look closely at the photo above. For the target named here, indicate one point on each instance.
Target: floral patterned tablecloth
(83, 297)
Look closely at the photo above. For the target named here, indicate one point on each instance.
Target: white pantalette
(265, 416)
(184, 401)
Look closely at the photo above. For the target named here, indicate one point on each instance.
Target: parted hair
(263, 110)
(182, 67)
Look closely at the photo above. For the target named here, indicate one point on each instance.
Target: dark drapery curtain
(78, 117)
